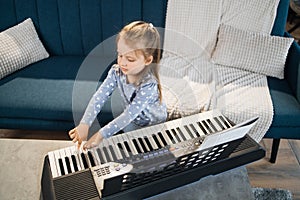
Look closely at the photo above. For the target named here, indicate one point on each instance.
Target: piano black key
(84, 161)
(112, 151)
(156, 141)
(219, 123)
(212, 125)
(91, 158)
(176, 135)
(74, 163)
(170, 136)
(128, 148)
(162, 139)
(225, 122)
(100, 156)
(202, 129)
(114, 146)
(122, 150)
(189, 131)
(61, 166)
(181, 134)
(136, 146)
(143, 145)
(195, 130)
(107, 156)
(148, 143)
(68, 165)
(207, 126)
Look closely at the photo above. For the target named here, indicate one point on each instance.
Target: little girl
(136, 76)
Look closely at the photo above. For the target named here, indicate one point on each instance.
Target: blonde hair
(145, 38)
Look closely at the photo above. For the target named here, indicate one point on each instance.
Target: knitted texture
(190, 38)
(19, 47)
(252, 51)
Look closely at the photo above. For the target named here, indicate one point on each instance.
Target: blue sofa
(39, 97)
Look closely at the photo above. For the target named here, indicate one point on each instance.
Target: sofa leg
(275, 147)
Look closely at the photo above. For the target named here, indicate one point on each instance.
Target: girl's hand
(93, 141)
(79, 133)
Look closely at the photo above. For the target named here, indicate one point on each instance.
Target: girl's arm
(147, 93)
(99, 98)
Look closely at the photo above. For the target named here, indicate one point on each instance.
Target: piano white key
(160, 128)
(101, 152)
(53, 166)
(191, 134)
(166, 137)
(218, 127)
(211, 124)
(154, 131)
(152, 142)
(137, 144)
(224, 122)
(107, 152)
(160, 143)
(130, 144)
(69, 154)
(145, 143)
(180, 135)
(79, 151)
(95, 155)
(123, 149)
(116, 148)
(75, 151)
(206, 127)
(148, 134)
(63, 156)
(174, 125)
(100, 155)
(56, 157)
(113, 151)
(189, 130)
(91, 153)
(185, 133)
(201, 133)
(175, 139)
(121, 138)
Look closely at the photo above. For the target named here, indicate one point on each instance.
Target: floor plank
(295, 145)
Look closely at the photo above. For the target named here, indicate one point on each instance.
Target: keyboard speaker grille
(79, 186)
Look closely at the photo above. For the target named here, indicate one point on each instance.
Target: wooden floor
(285, 173)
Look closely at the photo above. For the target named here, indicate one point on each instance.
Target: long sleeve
(99, 98)
(134, 111)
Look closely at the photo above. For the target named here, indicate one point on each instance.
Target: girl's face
(131, 62)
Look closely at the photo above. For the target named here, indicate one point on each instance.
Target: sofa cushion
(19, 47)
(43, 91)
(247, 50)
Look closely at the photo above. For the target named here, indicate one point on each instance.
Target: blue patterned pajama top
(142, 104)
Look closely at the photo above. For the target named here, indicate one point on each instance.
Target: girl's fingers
(75, 139)
(86, 146)
(72, 136)
(72, 131)
(79, 144)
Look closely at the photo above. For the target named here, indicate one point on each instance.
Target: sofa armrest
(292, 68)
